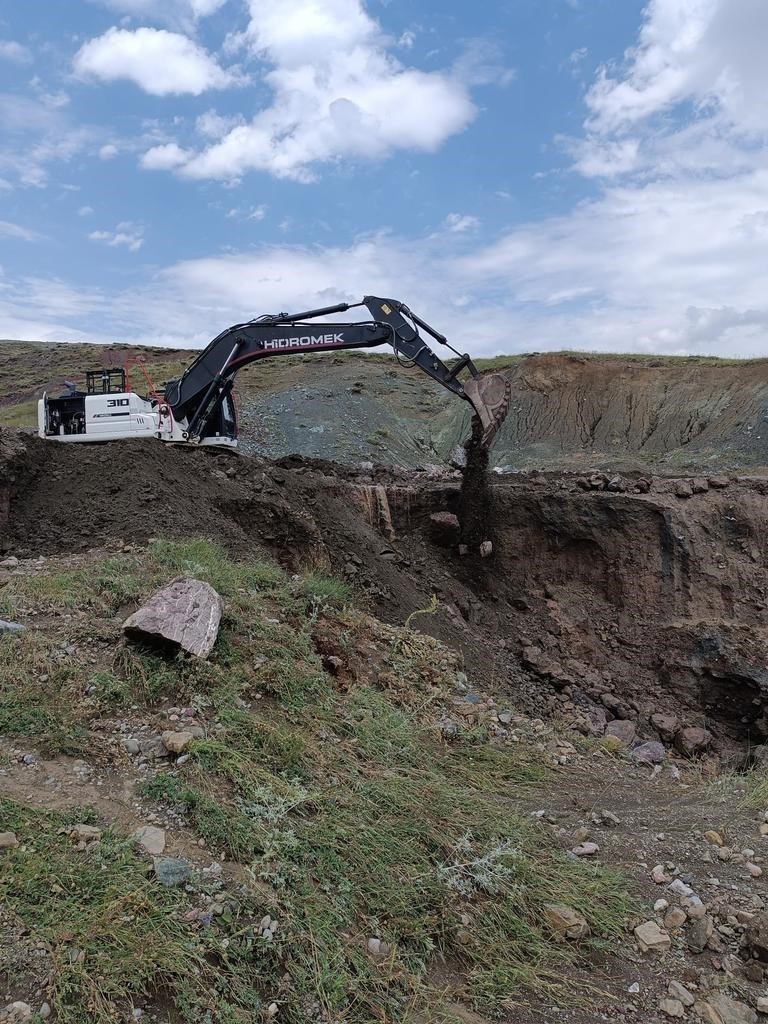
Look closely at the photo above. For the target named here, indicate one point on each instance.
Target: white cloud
(165, 157)
(9, 230)
(37, 133)
(337, 94)
(458, 222)
(108, 152)
(249, 213)
(85, 211)
(11, 50)
(125, 234)
(161, 63)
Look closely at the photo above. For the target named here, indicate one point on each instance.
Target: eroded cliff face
(605, 599)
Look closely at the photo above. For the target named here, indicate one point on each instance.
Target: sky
(525, 174)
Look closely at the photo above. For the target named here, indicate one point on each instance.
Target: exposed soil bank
(611, 599)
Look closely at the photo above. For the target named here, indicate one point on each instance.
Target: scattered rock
(675, 918)
(585, 850)
(651, 938)
(700, 930)
(678, 991)
(445, 528)
(378, 948)
(11, 627)
(8, 841)
(754, 869)
(624, 732)
(713, 837)
(693, 740)
(762, 1004)
(17, 1013)
(659, 876)
(721, 1009)
(672, 1008)
(756, 936)
(666, 726)
(679, 888)
(171, 871)
(185, 613)
(150, 839)
(44, 1012)
(565, 922)
(85, 834)
(176, 742)
(650, 752)
(684, 489)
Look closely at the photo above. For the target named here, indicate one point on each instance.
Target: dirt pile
(609, 599)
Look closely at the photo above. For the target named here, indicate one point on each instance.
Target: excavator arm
(200, 398)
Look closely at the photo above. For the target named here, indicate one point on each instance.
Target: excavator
(198, 407)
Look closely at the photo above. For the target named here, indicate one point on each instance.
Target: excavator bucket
(490, 395)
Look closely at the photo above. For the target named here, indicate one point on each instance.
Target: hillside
(568, 410)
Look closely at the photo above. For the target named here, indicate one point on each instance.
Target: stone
(693, 740)
(651, 938)
(678, 991)
(85, 834)
(650, 752)
(672, 1007)
(722, 1009)
(153, 748)
(8, 841)
(624, 732)
(585, 850)
(11, 562)
(700, 931)
(11, 627)
(660, 906)
(754, 869)
(45, 1011)
(445, 529)
(185, 613)
(150, 839)
(718, 481)
(675, 918)
(700, 485)
(713, 837)
(684, 489)
(176, 742)
(17, 1013)
(666, 726)
(679, 888)
(756, 936)
(659, 876)
(762, 1004)
(171, 871)
(564, 922)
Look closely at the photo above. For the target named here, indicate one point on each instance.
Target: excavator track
(490, 395)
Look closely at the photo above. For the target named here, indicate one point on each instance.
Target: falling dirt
(476, 504)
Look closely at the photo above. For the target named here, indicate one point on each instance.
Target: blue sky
(529, 174)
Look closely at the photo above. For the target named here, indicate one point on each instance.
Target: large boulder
(185, 613)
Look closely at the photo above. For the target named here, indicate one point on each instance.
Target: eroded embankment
(605, 600)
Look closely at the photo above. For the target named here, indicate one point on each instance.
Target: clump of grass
(324, 591)
(116, 936)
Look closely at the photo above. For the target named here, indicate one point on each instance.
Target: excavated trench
(634, 600)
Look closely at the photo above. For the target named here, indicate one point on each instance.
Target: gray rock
(721, 1009)
(672, 1008)
(678, 991)
(16, 1013)
(11, 627)
(177, 742)
(700, 930)
(150, 839)
(8, 841)
(625, 732)
(649, 753)
(185, 613)
(684, 489)
(152, 747)
(172, 871)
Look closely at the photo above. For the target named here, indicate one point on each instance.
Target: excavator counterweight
(198, 407)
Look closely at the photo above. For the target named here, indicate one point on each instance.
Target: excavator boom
(198, 407)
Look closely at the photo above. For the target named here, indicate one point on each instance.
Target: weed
(324, 591)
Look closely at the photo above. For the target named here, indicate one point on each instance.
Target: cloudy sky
(527, 174)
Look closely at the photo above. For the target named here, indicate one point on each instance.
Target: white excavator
(198, 408)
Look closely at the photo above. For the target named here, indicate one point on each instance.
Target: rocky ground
(612, 638)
